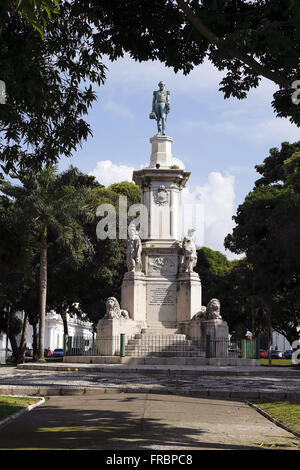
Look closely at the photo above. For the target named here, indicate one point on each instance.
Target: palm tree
(55, 210)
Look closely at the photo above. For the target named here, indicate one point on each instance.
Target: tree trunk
(63, 315)
(43, 297)
(14, 345)
(269, 328)
(23, 341)
(34, 341)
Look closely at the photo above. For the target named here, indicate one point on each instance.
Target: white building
(279, 342)
(54, 331)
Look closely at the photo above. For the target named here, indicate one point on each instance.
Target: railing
(162, 346)
(80, 346)
(223, 347)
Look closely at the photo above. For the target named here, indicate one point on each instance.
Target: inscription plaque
(161, 302)
(162, 296)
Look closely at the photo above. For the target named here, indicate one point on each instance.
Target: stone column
(133, 297)
(188, 296)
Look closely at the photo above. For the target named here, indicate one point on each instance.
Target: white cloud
(214, 203)
(108, 173)
(117, 109)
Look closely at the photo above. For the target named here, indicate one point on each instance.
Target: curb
(70, 390)
(120, 368)
(21, 412)
(273, 420)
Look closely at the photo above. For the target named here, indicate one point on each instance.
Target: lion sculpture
(200, 315)
(213, 310)
(113, 310)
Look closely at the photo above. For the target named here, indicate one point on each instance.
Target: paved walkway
(79, 379)
(143, 421)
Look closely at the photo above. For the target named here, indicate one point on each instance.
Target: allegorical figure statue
(134, 249)
(160, 107)
(189, 252)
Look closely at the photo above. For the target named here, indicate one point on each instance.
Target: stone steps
(159, 331)
(170, 343)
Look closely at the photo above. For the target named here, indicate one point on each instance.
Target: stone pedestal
(188, 296)
(133, 297)
(161, 193)
(108, 334)
(218, 331)
(161, 151)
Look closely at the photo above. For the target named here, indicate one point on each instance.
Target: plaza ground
(165, 408)
(129, 421)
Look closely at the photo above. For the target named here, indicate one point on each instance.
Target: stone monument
(161, 291)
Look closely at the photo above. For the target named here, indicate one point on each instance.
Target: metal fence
(162, 346)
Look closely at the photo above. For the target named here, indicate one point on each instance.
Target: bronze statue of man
(160, 107)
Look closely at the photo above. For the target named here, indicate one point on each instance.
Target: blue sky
(219, 141)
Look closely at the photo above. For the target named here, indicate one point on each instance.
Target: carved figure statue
(160, 107)
(134, 249)
(113, 309)
(213, 310)
(190, 253)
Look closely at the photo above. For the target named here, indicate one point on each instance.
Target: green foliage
(212, 267)
(231, 282)
(246, 40)
(130, 190)
(49, 87)
(268, 233)
(38, 12)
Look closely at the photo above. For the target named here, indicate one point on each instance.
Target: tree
(48, 87)
(17, 257)
(101, 277)
(56, 211)
(246, 39)
(268, 233)
(231, 282)
(36, 12)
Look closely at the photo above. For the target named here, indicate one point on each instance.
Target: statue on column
(189, 253)
(160, 107)
(134, 249)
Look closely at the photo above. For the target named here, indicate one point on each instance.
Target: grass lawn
(10, 405)
(277, 362)
(287, 412)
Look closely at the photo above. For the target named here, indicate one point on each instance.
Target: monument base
(188, 296)
(133, 297)
(109, 331)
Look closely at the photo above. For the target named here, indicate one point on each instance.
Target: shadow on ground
(71, 423)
